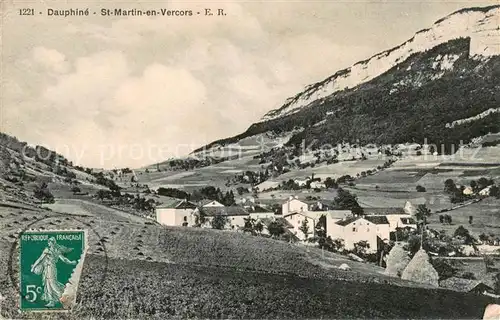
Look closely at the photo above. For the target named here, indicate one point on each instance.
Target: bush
(420, 189)
(444, 269)
(43, 193)
(76, 190)
(468, 275)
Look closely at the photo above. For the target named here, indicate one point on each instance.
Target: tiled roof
(383, 211)
(284, 222)
(339, 214)
(347, 221)
(258, 209)
(204, 202)
(377, 219)
(372, 219)
(177, 204)
(225, 211)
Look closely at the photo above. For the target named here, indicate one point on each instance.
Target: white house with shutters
(176, 213)
(362, 228)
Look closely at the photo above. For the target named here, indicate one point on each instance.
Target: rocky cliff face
(442, 86)
(481, 25)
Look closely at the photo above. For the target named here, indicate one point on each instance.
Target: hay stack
(396, 262)
(421, 270)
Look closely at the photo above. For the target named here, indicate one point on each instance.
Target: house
(287, 226)
(296, 219)
(332, 217)
(247, 201)
(397, 217)
(209, 203)
(293, 204)
(485, 191)
(401, 221)
(235, 215)
(301, 183)
(465, 285)
(468, 191)
(259, 212)
(367, 228)
(317, 185)
(176, 213)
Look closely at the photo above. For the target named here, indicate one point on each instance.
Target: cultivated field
(179, 272)
(141, 289)
(486, 215)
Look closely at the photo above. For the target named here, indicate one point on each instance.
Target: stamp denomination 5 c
(51, 263)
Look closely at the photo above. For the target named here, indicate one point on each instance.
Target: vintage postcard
(235, 159)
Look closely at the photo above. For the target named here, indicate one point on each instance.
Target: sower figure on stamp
(46, 266)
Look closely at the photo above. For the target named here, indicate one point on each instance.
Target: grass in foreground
(140, 289)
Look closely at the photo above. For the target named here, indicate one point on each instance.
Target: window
(367, 229)
(185, 218)
(353, 229)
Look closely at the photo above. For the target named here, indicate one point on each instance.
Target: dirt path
(77, 206)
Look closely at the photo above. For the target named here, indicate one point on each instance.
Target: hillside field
(143, 270)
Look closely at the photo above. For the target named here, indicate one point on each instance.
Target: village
(299, 218)
(384, 236)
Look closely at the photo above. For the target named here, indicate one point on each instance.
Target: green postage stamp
(51, 263)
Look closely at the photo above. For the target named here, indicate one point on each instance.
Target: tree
(259, 227)
(330, 183)
(275, 229)
(219, 222)
(75, 190)
(43, 193)
(449, 186)
(174, 193)
(444, 268)
(304, 228)
(464, 234)
(484, 237)
(474, 185)
(361, 247)
(249, 225)
(483, 182)
(241, 190)
(420, 189)
(414, 244)
(495, 191)
(347, 201)
(421, 214)
(320, 227)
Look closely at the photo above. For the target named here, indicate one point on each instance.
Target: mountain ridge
(477, 50)
(289, 105)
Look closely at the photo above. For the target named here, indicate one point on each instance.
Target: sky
(111, 92)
